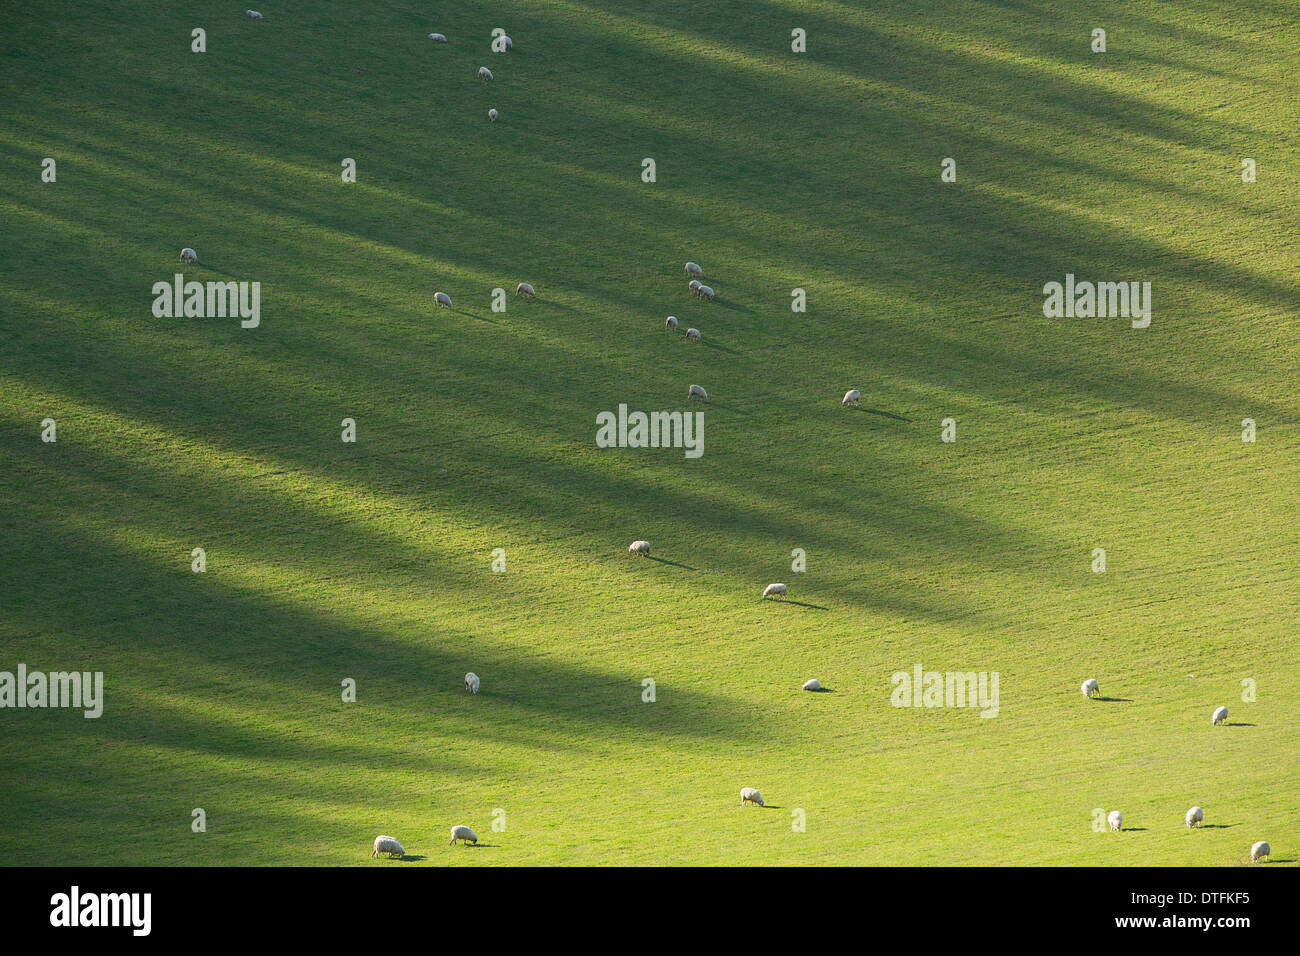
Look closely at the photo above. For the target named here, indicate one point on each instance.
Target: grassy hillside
(775, 170)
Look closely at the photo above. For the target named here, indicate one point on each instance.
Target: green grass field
(775, 170)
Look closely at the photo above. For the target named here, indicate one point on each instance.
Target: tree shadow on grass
(675, 564)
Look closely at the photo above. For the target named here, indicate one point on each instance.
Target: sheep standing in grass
(1219, 716)
(484, 73)
(1194, 817)
(774, 591)
(471, 682)
(1259, 850)
(442, 298)
(639, 547)
(698, 393)
(694, 286)
(189, 255)
(462, 833)
(1115, 819)
(813, 684)
(252, 15)
(705, 292)
(671, 324)
(693, 269)
(437, 38)
(851, 397)
(386, 844)
(525, 289)
(492, 115)
(693, 335)
(1090, 688)
(508, 43)
(750, 795)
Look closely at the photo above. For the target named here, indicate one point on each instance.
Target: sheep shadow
(820, 690)
(882, 412)
(1114, 700)
(815, 607)
(674, 564)
(1133, 830)
(1237, 724)
(720, 348)
(728, 408)
(216, 269)
(475, 315)
(481, 846)
(411, 858)
(1276, 860)
(734, 307)
(1215, 826)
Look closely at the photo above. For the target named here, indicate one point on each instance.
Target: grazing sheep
(750, 795)
(693, 269)
(639, 547)
(851, 397)
(671, 324)
(1194, 816)
(525, 289)
(813, 684)
(692, 335)
(1090, 688)
(462, 833)
(484, 73)
(697, 392)
(471, 682)
(386, 844)
(774, 590)
(189, 255)
(1115, 819)
(492, 115)
(442, 298)
(252, 15)
(438, 38)
(1219, 716)
(694, 286)
(508, 43)
(1259, 850)
(704, 292)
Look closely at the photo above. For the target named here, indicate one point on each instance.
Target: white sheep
(484, 73)
(462, 833)
(750, 795)
(693, 269)
(692, 335)
(697, 392)
(508, 43)
(1090, 688)
(1115, 819)
(442, 298)
(386, 844)
(492, 115)
(525, 289)
(438, 37)
(774, 590)
(705, 292)
(252, 15)
(671, 324)
(1219, 716)
(189, 255)
(639, 547)
(851, 397)
(1194, 816)
(1259, 850)
(813, 684)
(471, 682)
(694, 286)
